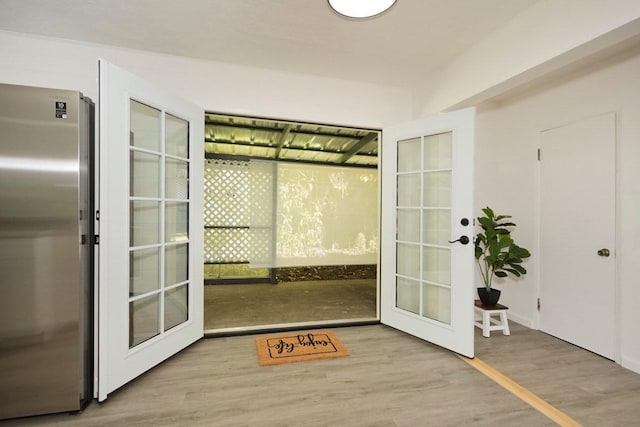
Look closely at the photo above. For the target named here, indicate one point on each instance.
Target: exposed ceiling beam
(311, 162)
(323, 133)
(273, 146)
(218, 123)
(358, 146)
(239, 143)
(281, 139)
(289, 127)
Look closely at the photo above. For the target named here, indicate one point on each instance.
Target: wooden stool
(487, 323)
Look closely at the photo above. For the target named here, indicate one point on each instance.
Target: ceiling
(397, 48)
(288, 141)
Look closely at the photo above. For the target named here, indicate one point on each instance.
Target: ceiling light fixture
(361, 8)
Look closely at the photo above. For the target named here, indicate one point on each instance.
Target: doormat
(298, 347)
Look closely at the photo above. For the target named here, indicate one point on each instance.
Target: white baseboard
(522, 320)
(626, 362)
(631, 364)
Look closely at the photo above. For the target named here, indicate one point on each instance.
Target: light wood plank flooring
(390, 379)
(591, 389)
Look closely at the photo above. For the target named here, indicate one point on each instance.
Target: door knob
(604, 252)
(463, 239)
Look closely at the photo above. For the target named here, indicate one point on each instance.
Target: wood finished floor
(241, 305)
(591, 389)
(390, 379)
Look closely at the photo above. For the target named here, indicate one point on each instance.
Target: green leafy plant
(495, 251)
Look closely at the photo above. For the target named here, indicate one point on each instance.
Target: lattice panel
(226, 245)
(239, 194)
(226, 193)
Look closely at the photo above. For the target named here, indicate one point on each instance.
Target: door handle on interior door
(604, 252)
(463, 239)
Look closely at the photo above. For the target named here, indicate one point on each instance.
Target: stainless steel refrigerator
(46, 250)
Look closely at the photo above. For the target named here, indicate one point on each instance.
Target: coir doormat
(298, 346)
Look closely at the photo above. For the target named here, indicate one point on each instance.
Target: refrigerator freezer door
(41, 258)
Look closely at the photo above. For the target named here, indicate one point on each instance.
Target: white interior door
(577, 220)
(427, 202)
(150, 292)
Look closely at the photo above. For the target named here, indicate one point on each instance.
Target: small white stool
(488, 323)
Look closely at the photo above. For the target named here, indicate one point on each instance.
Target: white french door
(150, 291)
(427, 203)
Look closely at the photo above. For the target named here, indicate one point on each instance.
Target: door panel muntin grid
(416, 171)
(145, 323)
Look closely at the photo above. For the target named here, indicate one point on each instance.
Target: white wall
(219, 87)
(507, 142)
(543, 38)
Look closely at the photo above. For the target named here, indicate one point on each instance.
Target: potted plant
(496, 253)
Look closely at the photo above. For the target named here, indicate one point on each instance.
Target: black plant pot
(489, 297)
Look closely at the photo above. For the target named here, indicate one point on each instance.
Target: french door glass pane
(145, 126)
(176, 223)
(436, 225)
(424, 226)
(408, 224)
(409, 155)
(409, 190)
(436, 302)
(144, 271)
(145, 174)
(436, 265)
(144, 223)
(408, 295)
(437, 189)
(176, 263)
(437, 151)
(144, 319)
(177, 136)
(176, 179)
(158, 217)
(408, 260)
(176, 306)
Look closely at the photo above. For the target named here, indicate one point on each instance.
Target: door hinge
(538, 154)
(538, 304)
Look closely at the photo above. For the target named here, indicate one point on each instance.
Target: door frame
(307, 324)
